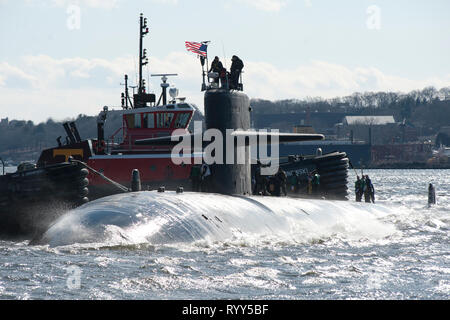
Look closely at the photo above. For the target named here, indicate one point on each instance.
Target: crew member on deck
(217, 66)
(205, 174)
(315, 184)
(236, 68)
(281, 183)
(369, 190)
(293, 181)
(358, 189)
(195, 178)
(260, 181)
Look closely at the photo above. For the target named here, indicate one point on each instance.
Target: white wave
(164, 218)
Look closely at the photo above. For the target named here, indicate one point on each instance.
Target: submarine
(228, 208)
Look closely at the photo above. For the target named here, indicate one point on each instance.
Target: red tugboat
(142, 117)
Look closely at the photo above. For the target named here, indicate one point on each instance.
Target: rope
(351, 165)
(116, 184)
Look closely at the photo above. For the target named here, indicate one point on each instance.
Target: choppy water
(408, 260)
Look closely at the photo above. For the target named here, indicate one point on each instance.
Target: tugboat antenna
(126, 96)
(143, 60)
(164, 85)
(142, 98)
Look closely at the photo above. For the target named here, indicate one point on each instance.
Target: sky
(62, 58)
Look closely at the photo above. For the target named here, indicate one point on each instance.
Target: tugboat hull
(332, 169)
(30, 200)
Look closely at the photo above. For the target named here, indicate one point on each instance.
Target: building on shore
(417, 152)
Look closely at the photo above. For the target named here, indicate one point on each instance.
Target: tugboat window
(130, 121)
(149, 120)
(164, 119)
(181, 120)
(137, 120)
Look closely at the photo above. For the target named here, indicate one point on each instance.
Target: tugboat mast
(143, 60)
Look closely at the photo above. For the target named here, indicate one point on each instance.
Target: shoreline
(414, 165)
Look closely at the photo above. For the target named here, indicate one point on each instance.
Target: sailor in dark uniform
(217, 66)
(260, 181)
(281, 182)
(236, 68)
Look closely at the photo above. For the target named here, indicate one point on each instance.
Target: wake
(167, 218)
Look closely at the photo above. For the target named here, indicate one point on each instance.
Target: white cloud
(8, 71)
(264, 5)
(319, 78)
(104, 4)
(61, 88)
(170, 2)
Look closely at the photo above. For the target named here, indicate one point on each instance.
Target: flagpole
(207, 63)
(198, 48)
(202, 62)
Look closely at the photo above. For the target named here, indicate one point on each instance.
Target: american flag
(198, 48)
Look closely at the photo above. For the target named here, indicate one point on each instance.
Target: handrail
(116, 132)
(116, 184)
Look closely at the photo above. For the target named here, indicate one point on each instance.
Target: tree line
(428, 108)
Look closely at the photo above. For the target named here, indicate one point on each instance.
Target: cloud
(84, 85)
(103, 4)
(324, 79)
(264, 5)
(170, 2)
(13, 73)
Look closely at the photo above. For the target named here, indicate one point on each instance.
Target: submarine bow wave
(163, 218)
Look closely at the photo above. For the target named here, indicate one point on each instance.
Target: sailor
(293, 181)
(273, 186)
(260, 183)
(236, 68)
(431, 195)
(217, 66)
(358, 189)
(205, 174)
(310, 183)
(195, 178)
(369, 190)
(281, 181)
(315, 184)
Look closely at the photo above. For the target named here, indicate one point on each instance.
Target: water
(405, 255)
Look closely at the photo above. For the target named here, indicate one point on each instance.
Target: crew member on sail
(217, 66)
(236, 68)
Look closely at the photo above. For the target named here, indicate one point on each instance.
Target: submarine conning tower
(229, 109)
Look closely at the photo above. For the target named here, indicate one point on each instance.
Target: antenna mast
(143, 60)
(164, 85)
(125, 96)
